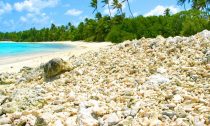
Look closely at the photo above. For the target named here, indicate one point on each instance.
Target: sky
(18, 15)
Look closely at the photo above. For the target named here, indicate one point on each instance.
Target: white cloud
(34, 9)
(35, 5)
(73, 12)
(159, 10)
(5, 7)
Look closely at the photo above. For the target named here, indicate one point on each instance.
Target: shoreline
(14, 64)
(68, 45)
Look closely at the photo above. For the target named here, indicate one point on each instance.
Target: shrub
(117, 35)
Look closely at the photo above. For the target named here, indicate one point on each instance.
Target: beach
(146, 82)
(14, 64)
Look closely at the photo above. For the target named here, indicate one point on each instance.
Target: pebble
(71, 96)
(58, 123)
(1, 110)
(170, 114)
(3, 99)
(71, 121)
(161, 70)
(155, 122)
(5, 120)
(178, 98)
(112, 119)
(7, 125)
(84, 116)
(157, 79)
(126, 122)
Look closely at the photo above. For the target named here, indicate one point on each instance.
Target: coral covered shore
(159, 81)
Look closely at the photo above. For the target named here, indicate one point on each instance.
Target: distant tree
(117, 34)
(194, 21)
(89, 29)
(98, 16)
(118, 19)
(102, 29)
(53, 27)
(117, 5)
(167, 12)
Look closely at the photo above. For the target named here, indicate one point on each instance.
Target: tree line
(117, 28)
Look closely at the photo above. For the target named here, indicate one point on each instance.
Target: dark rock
(208, 59)
(22, 123)
(6, 78)
(40, 122)
(3, 99)
(55, 67)
(26, 69)
(170, 114)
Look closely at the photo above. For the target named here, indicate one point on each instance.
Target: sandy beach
(14, 64)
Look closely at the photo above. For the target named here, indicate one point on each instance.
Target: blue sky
(16, 15)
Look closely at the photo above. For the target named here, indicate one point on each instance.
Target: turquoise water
(8, 49)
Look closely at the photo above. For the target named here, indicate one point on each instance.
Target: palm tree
(196, 4)
(98, 16)
(167, 12)
(128, 6)
(200, 4)
(207, 7)
(94, 4)
(182, 2)
(106, 2)
(117, 5)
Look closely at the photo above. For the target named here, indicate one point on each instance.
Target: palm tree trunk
(121, 11)
(207, 9)
(130, 8)
(184, 7)
(109, 10)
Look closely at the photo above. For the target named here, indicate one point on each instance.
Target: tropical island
(154, 71)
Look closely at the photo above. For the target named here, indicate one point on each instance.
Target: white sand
(14, 64)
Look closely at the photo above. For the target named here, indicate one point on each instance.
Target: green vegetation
(119, 28)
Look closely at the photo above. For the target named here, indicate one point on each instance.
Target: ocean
(8, 49)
